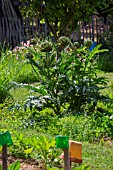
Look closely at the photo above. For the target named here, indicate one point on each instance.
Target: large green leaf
(39, 88)
(96, 51)
(15, 166)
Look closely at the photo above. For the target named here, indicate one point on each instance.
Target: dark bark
(10, 9)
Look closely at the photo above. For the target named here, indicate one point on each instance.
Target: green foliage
(12, 118)
(105, 62)
(63, 81)
(67, 80)
(21, 146)
(93, 127)
(76, 127)
(4, 84)
(85, 128)
(43, 147)
(112, 85)
(83, 167)
(13, 166)
(46, 150)
(4, 78)
(29, 143)
(43, 119)
(13, 68)
(101, 125)
(18, 67)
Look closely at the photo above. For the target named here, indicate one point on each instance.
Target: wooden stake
(4, 157)
(66, 160)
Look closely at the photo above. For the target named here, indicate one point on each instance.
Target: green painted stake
(63, 143)
(5, 140)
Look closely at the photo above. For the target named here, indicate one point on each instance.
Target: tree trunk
(11, 33)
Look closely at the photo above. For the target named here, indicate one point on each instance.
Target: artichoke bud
(88, 43)
(33, 41)
(76, 44)
(29, 55)
(64, 41)
(46, 46)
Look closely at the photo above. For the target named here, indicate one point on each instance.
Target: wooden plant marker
(63, 143)
(5, 140)
(75, 152)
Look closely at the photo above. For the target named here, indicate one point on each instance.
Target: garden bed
(26, 164)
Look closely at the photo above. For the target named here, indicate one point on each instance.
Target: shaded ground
(26, 164)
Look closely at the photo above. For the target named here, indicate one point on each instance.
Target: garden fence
(27, 28)
(94, 29)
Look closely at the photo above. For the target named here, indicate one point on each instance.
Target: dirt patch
(26, 164)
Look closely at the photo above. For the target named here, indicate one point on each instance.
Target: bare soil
(26, 164)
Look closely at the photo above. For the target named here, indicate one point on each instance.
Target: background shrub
(105, 62)
(84, 128)
(13, 69)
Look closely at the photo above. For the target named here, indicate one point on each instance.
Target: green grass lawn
(21, 94)
(98, 156)
(109, 76)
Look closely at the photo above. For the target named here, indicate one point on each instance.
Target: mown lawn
(109, 76)
(98, 156)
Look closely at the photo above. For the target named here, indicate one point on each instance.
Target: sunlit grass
(98, 156)
(109, 76)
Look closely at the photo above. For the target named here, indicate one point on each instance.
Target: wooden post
(63, 143)
(4, 157)
(92, 27)
(66, 159)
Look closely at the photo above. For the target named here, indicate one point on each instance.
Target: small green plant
(46, 151)
(83, 167)
(13, 166)
(21, 146)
